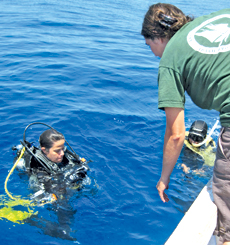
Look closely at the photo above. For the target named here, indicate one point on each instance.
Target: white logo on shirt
(215, 32)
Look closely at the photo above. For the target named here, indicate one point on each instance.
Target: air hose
(51, 199)
(11, 171)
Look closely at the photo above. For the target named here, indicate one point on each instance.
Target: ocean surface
(82, 67)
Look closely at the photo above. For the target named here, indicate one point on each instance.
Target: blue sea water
(83, 68)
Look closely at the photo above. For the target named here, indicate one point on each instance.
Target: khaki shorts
(221, 186)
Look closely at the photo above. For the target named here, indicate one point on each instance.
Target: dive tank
(21, 164)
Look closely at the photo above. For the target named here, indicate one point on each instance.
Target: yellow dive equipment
(207, 153)
(11, 171)
(7, 211)
(17, 216)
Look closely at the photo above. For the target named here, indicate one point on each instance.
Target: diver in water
(51, 167)
(197, 141)
(65, 169)
(55, 174)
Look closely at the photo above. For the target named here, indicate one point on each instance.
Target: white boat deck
(198, 223)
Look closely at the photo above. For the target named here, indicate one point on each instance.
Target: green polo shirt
(197, 60)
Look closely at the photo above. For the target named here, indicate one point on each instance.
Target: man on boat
(194, 59)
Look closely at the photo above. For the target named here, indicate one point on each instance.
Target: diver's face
(56, 152)
(193, 142)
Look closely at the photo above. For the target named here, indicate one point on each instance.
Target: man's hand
(173, 143)
(161, 186)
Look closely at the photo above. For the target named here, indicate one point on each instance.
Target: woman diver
(52, 168)
(55, 174)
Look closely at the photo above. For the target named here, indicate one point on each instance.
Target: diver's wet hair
(163, 21)
(48, 137)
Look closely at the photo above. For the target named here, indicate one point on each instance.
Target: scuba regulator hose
(7, 212)
(23, 201)
(11, 171)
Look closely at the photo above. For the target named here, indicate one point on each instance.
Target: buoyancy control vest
(207, 152)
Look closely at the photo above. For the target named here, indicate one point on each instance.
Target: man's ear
(44, 150)
(164, 40)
